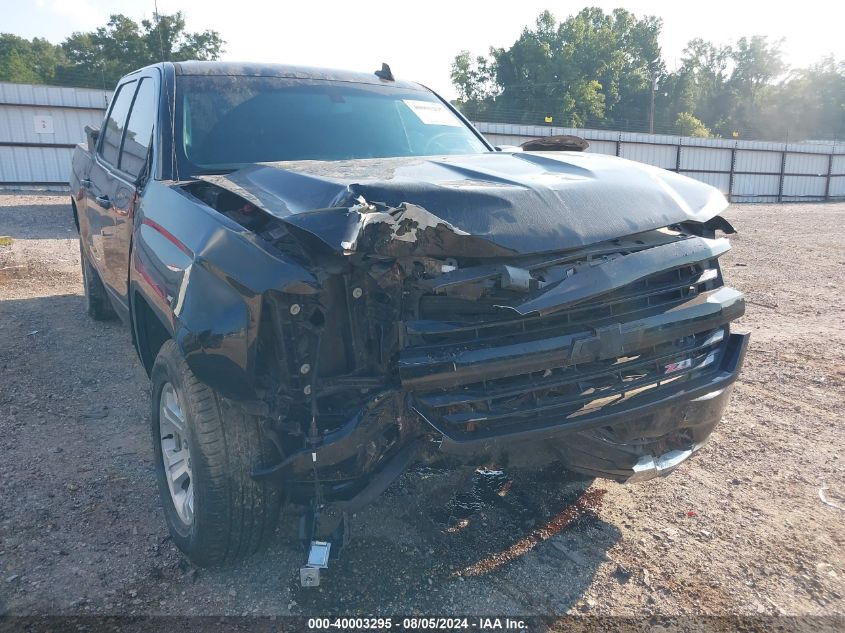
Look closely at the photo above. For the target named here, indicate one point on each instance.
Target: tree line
(97, 59)
(605, 70)
(593, 69)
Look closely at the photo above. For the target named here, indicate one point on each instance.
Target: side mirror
(92, 134)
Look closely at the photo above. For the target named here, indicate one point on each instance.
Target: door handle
(103, 201)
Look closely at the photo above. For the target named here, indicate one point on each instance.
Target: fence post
(731, 176)
(829, 172)
(782, 170)
(678, 157)
(619, 144)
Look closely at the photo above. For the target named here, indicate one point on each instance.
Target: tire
(230, 515)
(97, 303)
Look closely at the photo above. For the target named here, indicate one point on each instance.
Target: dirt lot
(739, 529)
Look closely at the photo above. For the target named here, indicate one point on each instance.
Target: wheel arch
(149, 331)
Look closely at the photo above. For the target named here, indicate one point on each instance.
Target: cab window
(139, 129)
(113, 132)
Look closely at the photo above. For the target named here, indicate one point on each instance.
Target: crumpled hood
(520, 202)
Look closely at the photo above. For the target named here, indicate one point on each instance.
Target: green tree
(591, 68)
(474, 81)
(27, 61)
(687, 125)
(99, 58)
(165, 39)
(757, 63)
(598, 69)
(701, 81)
(809, 104)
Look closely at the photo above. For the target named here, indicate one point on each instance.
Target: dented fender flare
(208, 287)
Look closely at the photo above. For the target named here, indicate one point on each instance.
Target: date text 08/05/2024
(418, 623)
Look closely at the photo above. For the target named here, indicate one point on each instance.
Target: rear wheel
(97, 303)
(204, 454)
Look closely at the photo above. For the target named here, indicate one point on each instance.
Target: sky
(420, 39)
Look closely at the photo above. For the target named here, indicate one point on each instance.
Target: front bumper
(648, 439)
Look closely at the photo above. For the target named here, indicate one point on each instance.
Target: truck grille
(557, 395)
(448, 320)
(475, 370)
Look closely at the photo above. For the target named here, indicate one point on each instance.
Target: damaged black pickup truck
(331, 275)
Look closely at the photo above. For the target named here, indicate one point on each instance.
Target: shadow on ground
(38, 221)
(442, 542)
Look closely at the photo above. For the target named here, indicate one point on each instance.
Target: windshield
(227, 121)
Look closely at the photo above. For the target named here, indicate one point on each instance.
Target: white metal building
(39, 127)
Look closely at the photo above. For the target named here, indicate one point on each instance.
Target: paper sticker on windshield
(432, 113)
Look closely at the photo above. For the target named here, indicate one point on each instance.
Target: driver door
(121, 158)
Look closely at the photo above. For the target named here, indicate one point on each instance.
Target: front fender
(216, 328)
(208, 277)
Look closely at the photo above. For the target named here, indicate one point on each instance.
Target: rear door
(122, 154)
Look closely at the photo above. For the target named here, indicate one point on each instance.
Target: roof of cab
(282, 70)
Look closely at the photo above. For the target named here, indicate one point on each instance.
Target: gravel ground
(740, 529)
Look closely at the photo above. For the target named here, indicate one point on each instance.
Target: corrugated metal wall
(745, 171)
(39, 127)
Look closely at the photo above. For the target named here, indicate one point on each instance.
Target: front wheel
(204, 454)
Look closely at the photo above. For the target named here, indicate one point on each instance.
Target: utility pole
(651, 109)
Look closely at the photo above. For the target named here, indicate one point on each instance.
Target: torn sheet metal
(407, 229)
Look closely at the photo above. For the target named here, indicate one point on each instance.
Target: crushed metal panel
(519, 202)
